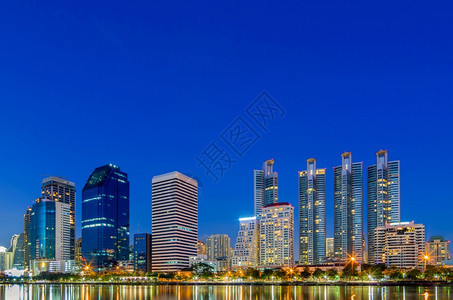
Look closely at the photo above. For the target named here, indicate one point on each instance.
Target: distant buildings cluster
(264, 240)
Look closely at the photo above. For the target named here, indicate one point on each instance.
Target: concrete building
(61, 190)
(277, 235)
(348, 210)
(27, 243)
(247, 244)
(218, 246)
(438, 249)
(174, 221)
(399, 244)
(265, 186)
(201, 247)
(329, 247)
(383, 196)
(312, 214)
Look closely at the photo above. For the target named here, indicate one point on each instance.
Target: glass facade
(42, 230)
(105, 217)
(142, 252)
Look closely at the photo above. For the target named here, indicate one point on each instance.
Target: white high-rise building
(246, 248)
(399, 244)
(265, 186)
(277, 235)
(174, 221)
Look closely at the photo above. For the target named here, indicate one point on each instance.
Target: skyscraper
(348, 210)
(247, 244)
(312, 214)
(142, 252)
(174, 221)
(60, 190)
(265, 186)
(383, 196)
(105, 217)
(277, 235)
(49, 236)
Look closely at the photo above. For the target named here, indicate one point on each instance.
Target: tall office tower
(17, 250)
(277, 235)
(399, 244)
(58, 189)
(383, 196)
(218, 246)
(27, 243)
(49, 235)
(174, 221)
(312, 214)
(201, 247)
(438, 249)
(105, 217)
(142, 252)
(266, 186)
(247, 244)
(348, 210)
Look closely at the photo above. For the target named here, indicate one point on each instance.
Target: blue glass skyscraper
(105, 218)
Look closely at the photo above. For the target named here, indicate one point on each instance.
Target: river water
(98, 291)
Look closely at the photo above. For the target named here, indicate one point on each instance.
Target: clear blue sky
(148, 85)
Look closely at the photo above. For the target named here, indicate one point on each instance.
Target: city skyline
(364, 179)
(149, 86)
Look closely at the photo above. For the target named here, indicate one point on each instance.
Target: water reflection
(202, 292)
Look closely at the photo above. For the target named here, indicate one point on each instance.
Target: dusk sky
(149, 85)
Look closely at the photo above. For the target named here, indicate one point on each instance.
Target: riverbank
(246, 283)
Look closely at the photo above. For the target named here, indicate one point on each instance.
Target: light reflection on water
(178, 292)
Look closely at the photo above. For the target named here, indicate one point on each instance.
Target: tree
(332, 274)
(413, 274)
(305, 274)
(254, 273)
(318, 273)
(268, 273)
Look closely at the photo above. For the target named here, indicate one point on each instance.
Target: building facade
(265, 186)
(105, 218)
(399, 244)
(17, 249)
(247, 244)
(330, 253)
(218, 246)
(142, 252)
(201, 247)
(49, 236)
(312, 214)
(27, 243)
(383, 196)
(348, 209)
(438, 249)
(61, 190)
(174, 221)
(277, 235)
